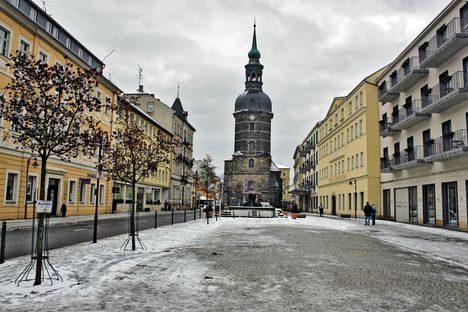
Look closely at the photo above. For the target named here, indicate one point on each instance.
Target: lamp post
(351, 182)
(35, 165)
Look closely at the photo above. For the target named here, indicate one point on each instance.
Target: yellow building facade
(25, 27)
(285, 178)
(348, 152)
(152, 192)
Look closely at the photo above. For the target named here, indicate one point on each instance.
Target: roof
(180, 112)
(282, 166)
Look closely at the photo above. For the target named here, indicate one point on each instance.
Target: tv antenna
(139, 75)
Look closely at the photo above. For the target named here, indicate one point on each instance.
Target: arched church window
(254, 77)
(251, 146)
(251, 163)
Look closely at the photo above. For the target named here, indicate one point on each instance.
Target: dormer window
(48, 27)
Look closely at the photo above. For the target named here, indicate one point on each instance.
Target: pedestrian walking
(367, 213)
(374, 212)
(166, 205)
(63, 210)
(321, 210)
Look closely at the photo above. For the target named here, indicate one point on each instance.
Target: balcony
(445, 44)
(410, 158)
(446, 94)
(386, 94)
(386, 165)
(386, 128)
(409, 115)
(409, 75)
(447, 147)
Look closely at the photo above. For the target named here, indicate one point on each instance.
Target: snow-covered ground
(169, 276)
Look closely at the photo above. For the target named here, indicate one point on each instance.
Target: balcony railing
(408, 75)
(445, 44)
(386, 127)
(385, 165)
(409, 115)
(452, 145)
(409, 158)
(385, 93)
(452, 91)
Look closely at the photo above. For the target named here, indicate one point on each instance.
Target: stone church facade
(251, 176)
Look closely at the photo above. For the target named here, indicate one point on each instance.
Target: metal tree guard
(48, 270)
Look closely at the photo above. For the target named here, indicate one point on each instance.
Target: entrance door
(410, 148)
(450, 203)
(429, 204)
(413, 204)
(386, 205)
(401, 205)
(427, 141)
(52, 194)
(333, 205)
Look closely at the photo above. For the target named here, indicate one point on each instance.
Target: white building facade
(423, 125)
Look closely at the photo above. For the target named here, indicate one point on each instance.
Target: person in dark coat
(63, 210)
(166, 205)
(321, 210)
(367, 213)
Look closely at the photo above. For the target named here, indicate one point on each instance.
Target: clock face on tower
(252, 117)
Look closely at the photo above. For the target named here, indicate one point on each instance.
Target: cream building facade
(348, 152)
(423, 125)
(285, 178)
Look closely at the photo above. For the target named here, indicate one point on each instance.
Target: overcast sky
(312, 51)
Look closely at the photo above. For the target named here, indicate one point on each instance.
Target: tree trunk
(40, 225)
(132, 216)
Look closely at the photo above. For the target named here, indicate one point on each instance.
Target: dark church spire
(254, 54)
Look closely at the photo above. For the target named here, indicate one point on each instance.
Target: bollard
(185, 215)
(194, 213)
(2, 246)
(207, 219)
(155, 219)
(172, 217)
(199, 216)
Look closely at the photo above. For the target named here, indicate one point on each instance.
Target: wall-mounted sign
(43, 206)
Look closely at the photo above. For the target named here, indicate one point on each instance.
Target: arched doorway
(333, 207)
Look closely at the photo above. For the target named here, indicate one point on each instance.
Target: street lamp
(100, 143)
(351, 182)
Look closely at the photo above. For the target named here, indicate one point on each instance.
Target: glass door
(450, 203)
(413, 204)
(386, 205)
(429, 204)
(447, 135)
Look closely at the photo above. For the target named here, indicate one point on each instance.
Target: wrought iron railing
(449, 142)
(449, 85)
(452, 28)
(411, 65)
(408, 110)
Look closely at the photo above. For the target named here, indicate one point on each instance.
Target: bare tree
(135, 155)
(49, 109)
(209, 178)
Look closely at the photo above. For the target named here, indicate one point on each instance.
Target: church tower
(248, 176)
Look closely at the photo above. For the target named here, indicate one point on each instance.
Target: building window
(11, 188)
(90, 61)
(92, 196)
(68, 43)
(32, 14)
(352, 133)
(71, 191)
(360, 99)
(251, 163)
(108, 105)
(55, 32)
(101, 194)
(49, 27)
(251, 146)
(80, 52)
(24, 47)
(82, 192)
(352, 162)
(360, 127)
(150, 107)
(4, 41)
(362, 159)
(350, 107)
(252, 126)
(42, 57)
(31, 189)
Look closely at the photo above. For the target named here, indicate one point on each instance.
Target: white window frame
(55, 32)
(68, 43)
(107, 105)
(22, 39)
(102, 193)
(90, 60)
(16, 185)
(80, 53)
(34, 187)
(72, 199)
(92, 196)
(81, 200)
(49, 27)
(43, 53)
(7, 41)
(14, 2)
(150, 107)
(33, 14)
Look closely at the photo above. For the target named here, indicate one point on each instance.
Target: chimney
(140, 88)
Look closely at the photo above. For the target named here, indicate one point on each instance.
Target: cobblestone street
(312, 264)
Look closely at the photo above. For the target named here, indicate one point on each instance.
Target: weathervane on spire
(178, 86)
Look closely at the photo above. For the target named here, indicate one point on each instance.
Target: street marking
(79, 230)
(143, 221)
